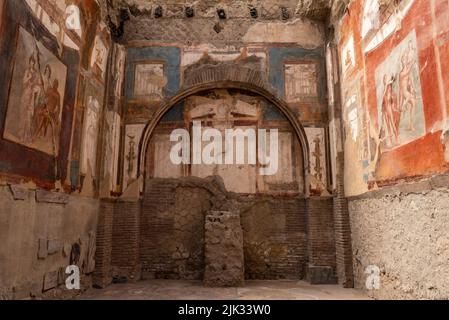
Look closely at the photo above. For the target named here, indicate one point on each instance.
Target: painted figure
(407, 90)
(48, 114)
(32, 88)
(131, 157)
(391, 114)
(92, 132)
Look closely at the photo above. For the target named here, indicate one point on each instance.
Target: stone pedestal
(223, 250)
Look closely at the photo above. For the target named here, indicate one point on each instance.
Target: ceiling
(234, 9)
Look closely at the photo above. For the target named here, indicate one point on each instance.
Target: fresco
(348, 56)
(36, 96)
(318, 167)
(193, 54)
(223, 110)
(119, 72)
(298, 76)
(380, 20)
(357, 122)
(133, 134)
(399, 98)
(99, 58)
(149, 81)
(93, 106)
(169, 57)
(395, 96)
(300, 81)
(112, 132)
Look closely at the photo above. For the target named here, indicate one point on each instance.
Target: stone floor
(194, 290)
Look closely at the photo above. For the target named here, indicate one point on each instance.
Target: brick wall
(118, 235)
(172, 243)
(126, 240)
(102, 274)
(163, 236)
(321, 241)
(275, 240)
(343, 243)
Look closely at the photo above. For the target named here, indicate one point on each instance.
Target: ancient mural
(149, 81)
(254, 56)
(36, 96)
(93, 106)
(133, 134)
(318, 163)
(112, 132)
(348, 56)
(99, 58)
(299, 77)
(399, 99)
(119, 70)
(223, 110)
(42, 99)
(301, 82)
(380, 20)
(394, 103)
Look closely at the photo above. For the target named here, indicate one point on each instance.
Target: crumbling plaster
(403, 231)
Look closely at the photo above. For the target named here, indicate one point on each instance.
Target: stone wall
(41, 233)
(172, 242)
(172, 230)
(403, 231)
(223, 250)
(162, 236)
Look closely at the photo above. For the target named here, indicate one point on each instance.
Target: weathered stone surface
(67, 248)
(90, 260)
(61, 276)
(28, 227)
(406, 237)
(53, 246)
(223, 250)
(42, 252)
(206, 9)
(84, 248)
(50, 280)
(141, 22)
(51, 197)
(18, 193)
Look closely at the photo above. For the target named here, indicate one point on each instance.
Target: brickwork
(343, 244)
(102, 274)
(321, 241)
(275, 240)
(172, 244)
(163, 236)
(125, 241)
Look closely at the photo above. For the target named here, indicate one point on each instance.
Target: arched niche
(198, 88)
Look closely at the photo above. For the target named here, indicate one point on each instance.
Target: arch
(224, 84)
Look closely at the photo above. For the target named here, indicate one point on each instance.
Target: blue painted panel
(270, 112)
(172, 66)
(175, 114)
(277, 57)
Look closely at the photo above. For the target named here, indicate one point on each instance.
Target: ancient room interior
(355, 93)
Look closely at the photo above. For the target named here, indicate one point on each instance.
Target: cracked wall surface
(405, 235)
(172, 232)
(40, 237)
